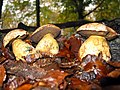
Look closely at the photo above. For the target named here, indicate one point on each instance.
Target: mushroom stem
(21, 49)
(48, 45)
(95, 45)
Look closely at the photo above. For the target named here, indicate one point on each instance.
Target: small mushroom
(43, 30)
(48, 45)
(14, 34)
(22, 49)
(96, 43)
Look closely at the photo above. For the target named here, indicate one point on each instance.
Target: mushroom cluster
(43, 37)
(46, 44)
(97, 34)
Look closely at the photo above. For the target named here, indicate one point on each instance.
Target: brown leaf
(95, 64)
(2, 59)
(54, 77)
(24, 70)
(2, 74)
(115, 63)
(70, 48)
(25, 87)
(77, 84)
(13, 82)
(73, 44)
(115, 73)
(66, 53)
(7, 53)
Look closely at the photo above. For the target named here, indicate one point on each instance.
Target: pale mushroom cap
(21, 49)
(48, 45)
(112, 34)
(95, 45)
(43, 30)
(93, 26)
(96, 29)
(13, 34)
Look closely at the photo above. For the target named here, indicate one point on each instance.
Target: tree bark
(38, 13)
(79, 8)
(1, 3)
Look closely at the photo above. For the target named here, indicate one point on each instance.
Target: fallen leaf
(25, 87)
(2, 74)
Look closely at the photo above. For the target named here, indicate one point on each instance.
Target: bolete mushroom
(14, 34)
(21, 49)
(48, 45)
(96, 43)
(43, 30)
(89, 29)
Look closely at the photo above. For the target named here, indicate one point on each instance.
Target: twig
(94, 9)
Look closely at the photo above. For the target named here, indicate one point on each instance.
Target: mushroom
(96, 43)
(48, 45)
(14, 34)
(43, 30)
(22, 49)
(97, 29)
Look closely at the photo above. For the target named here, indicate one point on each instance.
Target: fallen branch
(115, 24)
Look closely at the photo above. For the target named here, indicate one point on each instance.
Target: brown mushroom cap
(43, 30)
(14, 34)
(97, 29)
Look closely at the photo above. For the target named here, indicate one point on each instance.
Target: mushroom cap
(22, 49)
(14, 34)
(43, 30)
(97, 29)
(95, 45)
(48, 45)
